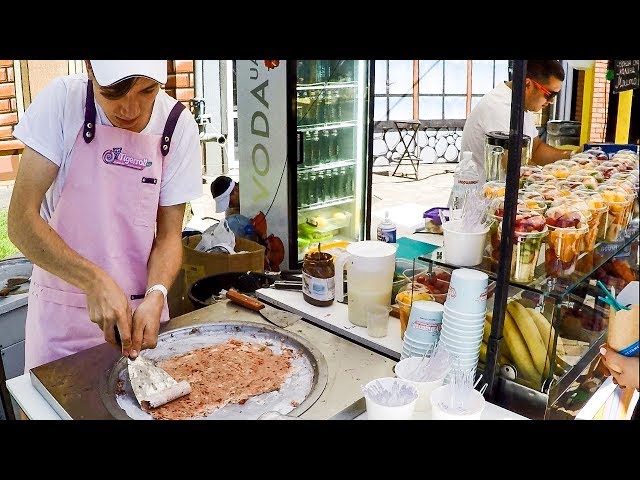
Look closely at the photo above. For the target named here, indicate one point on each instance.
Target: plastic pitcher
(370, 265)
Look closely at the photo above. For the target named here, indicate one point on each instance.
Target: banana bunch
(527, 342)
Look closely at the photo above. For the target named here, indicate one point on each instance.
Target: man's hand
(146, 323)
(108, 308)
(623, 369)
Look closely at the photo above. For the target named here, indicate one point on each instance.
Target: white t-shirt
(51, 123)
(492, 113)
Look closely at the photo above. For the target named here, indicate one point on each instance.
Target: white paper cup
(463, 316)
(468, 291)
(405, 368)
(425, 321)
(463, 249)
(378, 411)
(441, 409)
(464, 325)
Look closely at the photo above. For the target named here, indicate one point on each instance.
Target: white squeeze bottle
(387, 230)
(465, 179)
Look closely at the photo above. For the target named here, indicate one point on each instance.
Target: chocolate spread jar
(318, 279)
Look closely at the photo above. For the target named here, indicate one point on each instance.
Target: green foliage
(6, 247)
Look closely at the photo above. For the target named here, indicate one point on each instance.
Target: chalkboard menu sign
(626, 75)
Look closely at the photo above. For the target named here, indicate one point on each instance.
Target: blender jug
(370, 265)
(496, 152)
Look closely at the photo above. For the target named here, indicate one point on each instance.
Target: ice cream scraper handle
(244, 300)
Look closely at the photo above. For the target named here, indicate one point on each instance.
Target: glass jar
(318, 279)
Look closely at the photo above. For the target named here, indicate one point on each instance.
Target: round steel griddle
(302, 387)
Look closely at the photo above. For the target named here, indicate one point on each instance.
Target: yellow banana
(518, 349)
(504, 349)
(546, 330)
(531, 335)
(483, 355)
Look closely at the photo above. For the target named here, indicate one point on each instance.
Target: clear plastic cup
(527, 170)
(558, 171)
(620, 205)
(377, 320)
(528, 237)
(567, 226)
(588, 181)
(493, 189)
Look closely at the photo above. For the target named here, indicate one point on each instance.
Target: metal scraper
(279, 318)
(151, 385)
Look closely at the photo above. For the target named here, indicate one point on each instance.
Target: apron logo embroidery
(115, 156)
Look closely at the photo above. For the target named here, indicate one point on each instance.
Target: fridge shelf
(326, 85)
(331, 203)
(327, 166)
(326, 126)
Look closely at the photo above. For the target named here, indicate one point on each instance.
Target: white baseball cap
(108, 72)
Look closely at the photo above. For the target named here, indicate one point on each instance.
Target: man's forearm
(165, 261)
(42, 245)
(545, 154)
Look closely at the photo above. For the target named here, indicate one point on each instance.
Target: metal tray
(302, 388)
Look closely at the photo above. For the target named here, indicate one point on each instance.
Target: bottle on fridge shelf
(328, 189)
(313, 151)
(337, 184)
(311, 188)
(325, 138)
(303, 189)
(334, 146)
(322, 71)
(330, 106)
(319, 187)
(302, 108)
(312, 109)
(387, 230)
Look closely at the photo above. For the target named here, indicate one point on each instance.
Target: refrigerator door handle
(300, 137)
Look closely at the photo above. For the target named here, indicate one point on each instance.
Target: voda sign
(262, 143)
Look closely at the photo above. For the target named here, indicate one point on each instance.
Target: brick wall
(600, 106)
(599, 110)
(180, 80)
(10, 148)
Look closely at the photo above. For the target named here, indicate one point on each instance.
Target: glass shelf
(331, 203)
(557, 288)
(327, 166)
(326, 126)
(326, 85)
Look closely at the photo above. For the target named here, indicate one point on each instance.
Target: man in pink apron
(98, 206)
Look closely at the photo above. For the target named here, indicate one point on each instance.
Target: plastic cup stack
(463, 317)
(423, 329)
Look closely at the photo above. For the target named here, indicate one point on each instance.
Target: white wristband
(158, 287)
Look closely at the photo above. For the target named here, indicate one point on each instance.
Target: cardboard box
(196, 265)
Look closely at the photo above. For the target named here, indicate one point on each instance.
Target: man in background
(543, 82)
(226, 194)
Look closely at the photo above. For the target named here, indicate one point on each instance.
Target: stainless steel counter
(72, 385)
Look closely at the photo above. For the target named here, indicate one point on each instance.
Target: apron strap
(89, 131)
(169, 127)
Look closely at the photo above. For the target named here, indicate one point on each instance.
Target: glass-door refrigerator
(305, 135)
(331, 135)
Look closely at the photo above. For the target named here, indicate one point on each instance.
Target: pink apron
(107, 213)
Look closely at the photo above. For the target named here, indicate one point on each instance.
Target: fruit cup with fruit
(585, 181)
(619, 204)
(435, 282)
(529, 232)
(574, 200)
(548, 191)
(558, 171)
(566, 227)
(527, 170)
(493, 189)
(598, 209)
